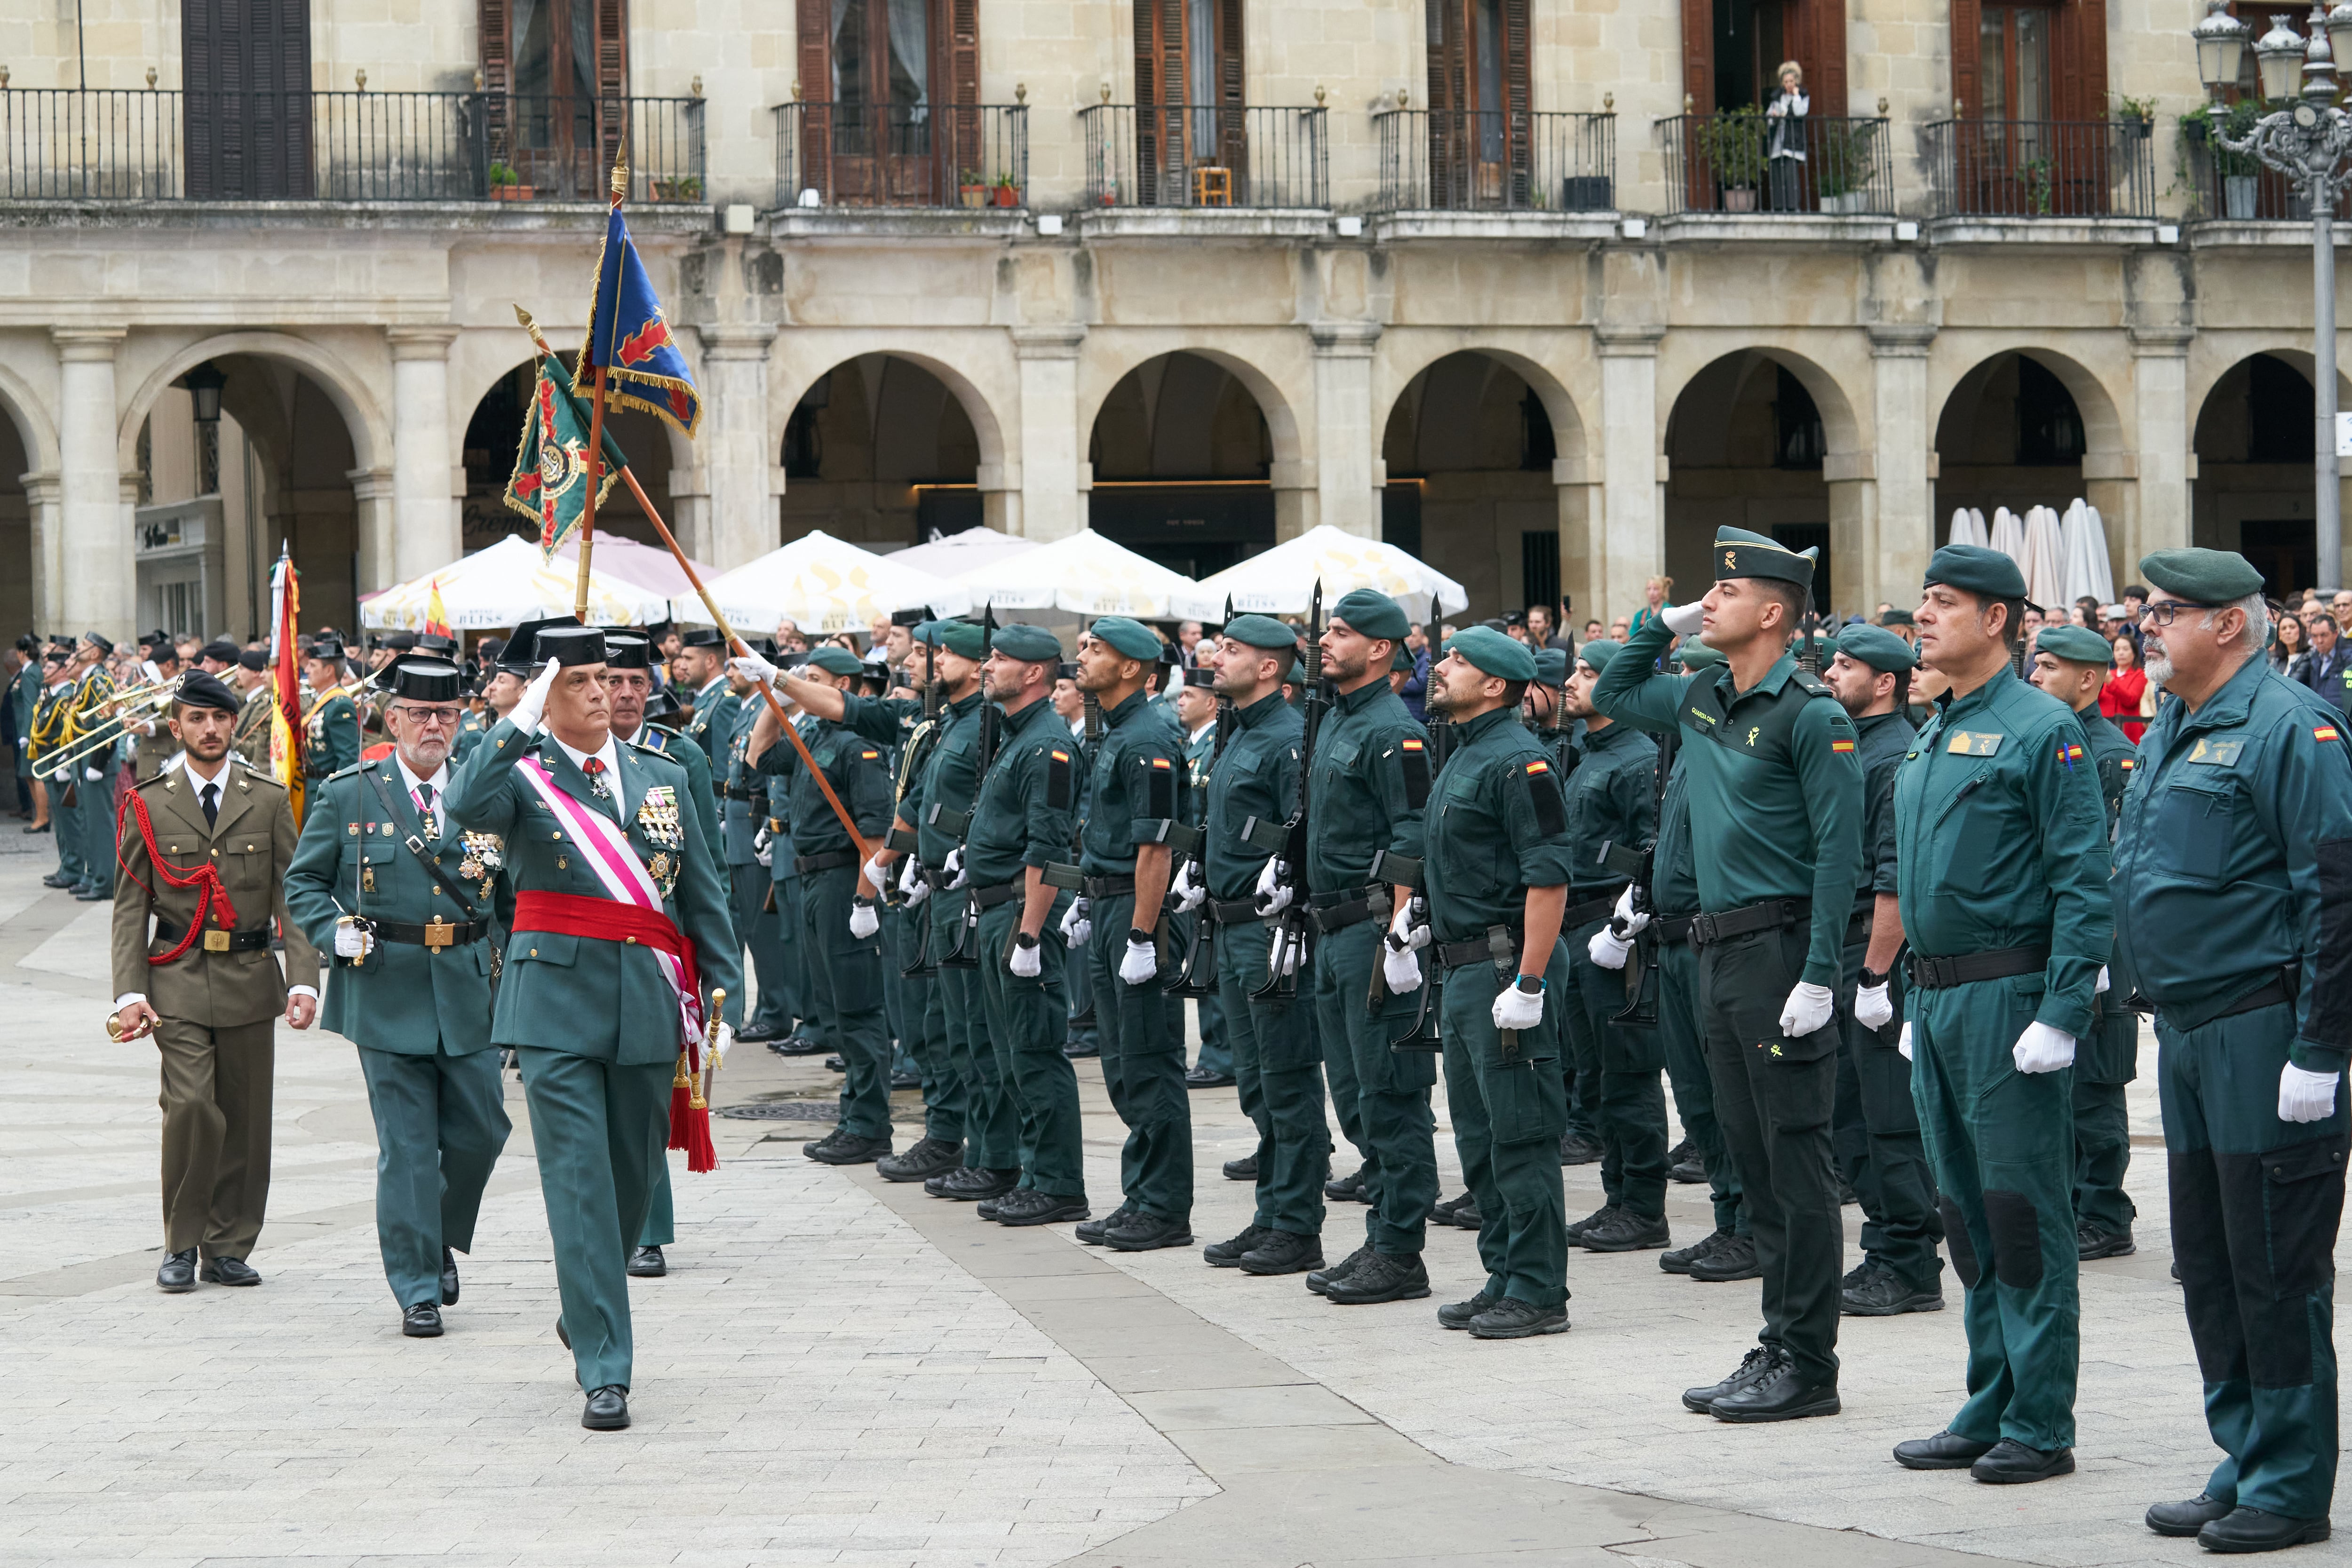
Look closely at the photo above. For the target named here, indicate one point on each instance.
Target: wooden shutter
(1449, 97)
(1519, 100)
(968, 146)
(814, 28)
(1232, 97)
(1698, 55)
(245, 71)
(1817, 36)
(2079, 44)
(1968, 87)
(612, 89)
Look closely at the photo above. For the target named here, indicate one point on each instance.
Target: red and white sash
(614, 860)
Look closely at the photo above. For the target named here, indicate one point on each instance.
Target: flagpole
(596, 414)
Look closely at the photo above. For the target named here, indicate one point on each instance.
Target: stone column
(1051, 441)
(420, 531)
(376, 503)
(2163, 432)
(1627, 543)
(44, 494)
(98, 579)
(741, 476)
(1346, 434)
(1900, 532)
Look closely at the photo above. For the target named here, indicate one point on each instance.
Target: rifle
(965, 954)
(1290, 839)
(1810, 658)
(1201, 949)
(1644, 872)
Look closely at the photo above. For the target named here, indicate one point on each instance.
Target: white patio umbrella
(1281, 582)
(508, 584)
(2045, 578)
(1083, 573)
(1968, 527)
(2008, 535)
(967, 551)
(822, 585)
(2085, 538)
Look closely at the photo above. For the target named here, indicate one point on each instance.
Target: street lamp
(203, 385)
(2306, 139)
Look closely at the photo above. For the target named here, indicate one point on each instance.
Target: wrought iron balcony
(106, 145)
(902, 155)
(2234, 187)
(2044, 168)
(1748, 162)
(1496, 161)
(1148, 155)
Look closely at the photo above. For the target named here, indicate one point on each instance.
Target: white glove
(717, 1038)
(1873, 1006)
(954, 867)
(753, 668)
(1141, 962)
(1191, 891)
(1682, 620)
(876, 874)
(2103, 981)
(1808, 1008)
(1608, 950)
(1516, 1008)
(1399, 968)
(1273, 891)
(911, 885)
(863, 921)
(533, 706)
(1625, 920)
(2041, 1049)
(93, 774)
(1075, 927)
(353, 941)
(2306, 1096)
(1281, 957)
(1025, 961)
(1902, 1041)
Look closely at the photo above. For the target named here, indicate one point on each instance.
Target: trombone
(137, 703)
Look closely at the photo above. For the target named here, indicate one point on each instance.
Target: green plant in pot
(1733, 145)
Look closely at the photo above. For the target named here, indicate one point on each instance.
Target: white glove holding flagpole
(753, 668)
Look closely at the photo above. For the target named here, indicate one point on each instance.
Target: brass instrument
(85, 739)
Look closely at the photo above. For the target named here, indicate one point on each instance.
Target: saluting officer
(402, 898)
(331, 729)
(2002, 849)
(1776, 816)
(2232, 859)
(2071, 662)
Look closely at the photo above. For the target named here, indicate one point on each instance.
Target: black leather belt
(1002, 892)
(1333, 912)
(729, 792)
(1966, 968)
(1106, 886)
(2283, 986)
(830, 861)
(216, 940)
(1478, 950)
(1576, 914)
(1773, 912)
(440, 933)
(1233, 911)
(1677, 929)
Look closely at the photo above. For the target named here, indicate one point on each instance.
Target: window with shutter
(1188, 95)
(1481, 102)
(1732, 51)
(2029, 61)
(891, 91)
(244, 69)
(555, 85)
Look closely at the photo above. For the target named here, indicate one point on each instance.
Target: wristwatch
(1023, 940)
(1871, 979)
(1533, 985)
(1137, 934)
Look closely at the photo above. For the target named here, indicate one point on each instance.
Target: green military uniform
(1216, 1057)
(594, 1020)
(470, 730)
(50, 737)
(1775, 818)
(331, 735)
(2002, 849)
(1564, 744)
(741, 814)
(94, 796)
(2232, 859)
(417, 1006)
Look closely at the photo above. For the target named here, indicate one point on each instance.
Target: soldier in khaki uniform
(207, 847)
(251, 741)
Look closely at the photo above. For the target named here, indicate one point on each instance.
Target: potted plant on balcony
(1732, 146)
(506, 185)
(1843, 173)
(687, 188)
(2137, 116)
(1008, 195)
(973, 188)
(2238, 174)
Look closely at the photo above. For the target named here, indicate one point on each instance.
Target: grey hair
(2258, 619)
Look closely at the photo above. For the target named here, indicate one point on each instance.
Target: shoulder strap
(425, 857)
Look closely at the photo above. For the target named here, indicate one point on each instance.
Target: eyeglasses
(431, 716)
(2160, 611)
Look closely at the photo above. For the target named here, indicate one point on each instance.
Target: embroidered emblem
(1969, 743)
(1840, 746)
(2217, 753)
(1754, 730)
(1535, 768)
(2325, 732)
(1729, 560)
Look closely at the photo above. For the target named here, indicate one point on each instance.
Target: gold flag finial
(531, 326)
(620, 167)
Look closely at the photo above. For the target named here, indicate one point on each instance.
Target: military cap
(916, 616)
(2077, 644)
(1297, 674)
(1130, 639)
(627, 648)
(1973, 569)
(488, 649)
(1030, 644)
(330, 648)
(661, 702)
(1371, 613)
(1597, 654)
(1877, 647)
(2212, 577)
(1739, 553)
(1551, 665)
(1896, 618)
(1697, 655)
(522, 654)
(835, 661)
(220, 650)
(702, 637)
(433, 643)
(569, 644)
(960, 637)
(97, 642)
(424, 680)
(1262, 632)
(201, 689)
(28, 643)
(150, 639)
(1203, 679)
(398, 642)
(1494, 652)
(1403, 660)
(252, 658)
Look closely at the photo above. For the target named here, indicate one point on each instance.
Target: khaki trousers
(215, 1101)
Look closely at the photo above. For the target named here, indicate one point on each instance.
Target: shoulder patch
(2219, 753)
(1416, 755)
(1840, 746)
(869, 755)
(2323, 732)
(1542, 786)
(1160, 789)
(1057, 778)
(1974, 743)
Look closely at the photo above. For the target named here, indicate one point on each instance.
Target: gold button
(557, 837)
(534, 952)
(437, 892)
(216, 854)
(630, 940)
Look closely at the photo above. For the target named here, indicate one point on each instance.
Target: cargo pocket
(2303, 1202)
(543, 947)
(1527, 1102)
(2192, 832)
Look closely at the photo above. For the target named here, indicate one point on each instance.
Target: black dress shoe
(2186, 1518)
(1679, 1261)
(1228, 1254)
(2096, 1241)
(1944, 1451)
(608, 1409)
(1348, 1188)
(1035, 1208)
(228, 1271)
(1321, 1280)
(647, 1263)
(178, 1275)
(1626, 1232)
(1880, 1292)
(798, 1045)
(2252, 1530)
(1755, 1366)
(1457, 1314)
(924, 1158)
(1786, 1395)
(1091, 1231)
(837, 1062)
(1382, 1276)
(53, 880)
(421, 1320)
(1208, 1078)
(449, 1277)
(1512, 1318)
(1243, 1169)
(1079, 1050)
(758, 1034)
(843, 1148)
(2011, 1463)
(1575, 1150)
(1141, 1233)
(1733, 1257)
(1688, 1172)
(37, 827)
(1284, 1252)
(92, 894)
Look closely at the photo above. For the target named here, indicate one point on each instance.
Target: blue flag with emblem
(629, 339)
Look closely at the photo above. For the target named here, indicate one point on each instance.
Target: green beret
(1260, 631)
(1297, 674)
(1880, 649)
(1551, 666)
(835, 661)
(1973, 569)
(962, 637)
(1598, 652)
(1896, 618)
(1031, 644)
(1403, 661)
(2078, 645)
(1371, 613)
(1130, 639)
(1494, 652)
(1739, 553)
(2206, 576)
(1697, 655)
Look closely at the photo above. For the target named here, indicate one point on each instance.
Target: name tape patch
(1974, 743)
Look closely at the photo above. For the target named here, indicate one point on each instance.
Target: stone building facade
(1513, 282)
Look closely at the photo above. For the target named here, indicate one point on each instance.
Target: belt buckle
(440, 933)
(216, 940)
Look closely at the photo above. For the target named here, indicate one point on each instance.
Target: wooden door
(1190, 91)
(246, 68)
(1481, 125)
(2029, 103)
(555, 93)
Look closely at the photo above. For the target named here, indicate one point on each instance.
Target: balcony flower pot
(1739, 199)
(513, 192)
(973, 195)
(1008, 196)
(1585, 194)
(687, 189)
(2238, 196)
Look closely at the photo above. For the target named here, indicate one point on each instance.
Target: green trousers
(1617, 1073)
(796, 967)
(1674, 968)
(660, 1228)
(1025, 1024)
(2001, 1144)
(440, 1122)
(1143, 1068)
(847, 975)
(990, 1115)
(94, 803)
(762, 930)
(599, 1130)
(2255, 1206)
(1886, 1165)
(1278, 1066)
(1397, 1132)
(2107, 1063)
(1508, 1111)
(65, 826)
(923, 1022)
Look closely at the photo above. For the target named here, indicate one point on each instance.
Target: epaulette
(1812, 684)
(648, 750)
(355, 769)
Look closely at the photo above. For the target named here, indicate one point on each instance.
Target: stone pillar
(43, 495)
(742, 477)
(1051, 441)
(2163, 432)
(99, 579)
(1900, 532)
(1297, 503)
(376, 503)
(1346, 436)
(1000, 496)
(421, 532)
(1628, 542)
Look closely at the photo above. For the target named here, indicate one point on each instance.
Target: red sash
(607, 920)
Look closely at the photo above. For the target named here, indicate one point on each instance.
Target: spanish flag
(285, 679)
(436, 614)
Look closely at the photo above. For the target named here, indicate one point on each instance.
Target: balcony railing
(1748, 162)
(1143, 155)
(1496, 161)
(902, 155)
(2235, 187)
(2044, 168)
(105, 145)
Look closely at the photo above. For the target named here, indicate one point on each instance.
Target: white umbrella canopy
(2043, 564)
(2085, 557)
(2008, 536)
(967, 551)
(1968, 527)
(1281, 582)
(508, 584)
(1083, 573)
(822, 585)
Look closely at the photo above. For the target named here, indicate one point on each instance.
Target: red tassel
(681, 1094)
(702, 1154)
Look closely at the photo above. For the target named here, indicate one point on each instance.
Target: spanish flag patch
(1535, 768)
(1160, 763)
(869, 755)
(2325, 732)
(1840, 746)
(1412, 745)
(1061, 756)
(2072, 752)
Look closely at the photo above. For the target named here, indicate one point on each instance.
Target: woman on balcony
(1785, 139)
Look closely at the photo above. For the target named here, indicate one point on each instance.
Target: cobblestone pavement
(839, 1370)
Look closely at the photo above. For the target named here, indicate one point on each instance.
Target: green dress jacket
(331, 736)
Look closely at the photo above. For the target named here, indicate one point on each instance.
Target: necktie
(212, 805)
(424, 805)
